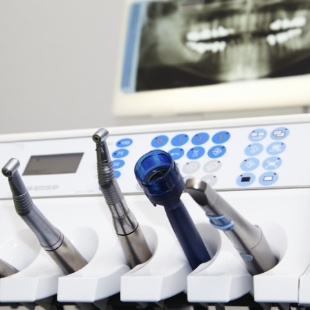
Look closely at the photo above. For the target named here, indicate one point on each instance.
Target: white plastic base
(86, 221)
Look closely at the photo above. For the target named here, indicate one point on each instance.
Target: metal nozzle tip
(197, 184)
(11, 167)
(196, 189)
(100, 135)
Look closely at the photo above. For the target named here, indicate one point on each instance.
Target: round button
(212, 166)
(176, 153)
(159, 141)
(249, 164)
(118, 163)
(272, 163)
(217, 151)
(124, 142)
(279, 133)
(117, 174)
(179, 140)
(258, 134)
(210, 179)
(195, 152)
(253, 149)
(221, 137)
(268, 178)
(200, 138)
(120, 153)
(191, 167)
(276, 148)
(245, 179)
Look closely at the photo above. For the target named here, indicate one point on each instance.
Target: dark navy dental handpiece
(127, 228)
(6, 269)
(247, 238)
(163, 184)
(51, 238)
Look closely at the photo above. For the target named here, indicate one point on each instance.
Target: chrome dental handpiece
(6, 269)
(51, 238)
(126, 225)
(247, 238)
(163, 184)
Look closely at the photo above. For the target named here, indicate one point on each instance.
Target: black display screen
(53, 164)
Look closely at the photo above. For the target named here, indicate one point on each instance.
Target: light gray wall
(57, 66)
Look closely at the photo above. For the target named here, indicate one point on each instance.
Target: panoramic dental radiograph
(194, 42)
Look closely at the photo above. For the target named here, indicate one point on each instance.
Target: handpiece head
(159, 177)
(10, 170)
(11, 167)
(100, 135)
(196, 189)
(202, 193)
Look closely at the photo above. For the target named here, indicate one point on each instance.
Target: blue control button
(245, 179)
(279, 133)
(276, 148)
(200, 138)
(117, 174)
(221, 137)
(249, 164)
(272, 163)
(258, 134)
(195, 152)
(176, 153)
(253, 149)
(217, 151)
(159, 141)
(118, 163)
(124, 142)
(268, 178)
(120, 153)
(179, 140)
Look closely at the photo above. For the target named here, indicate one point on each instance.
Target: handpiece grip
(248, 239)
(51, 238)
(127, 228)
(187, 235)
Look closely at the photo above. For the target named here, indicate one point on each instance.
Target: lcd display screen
(53, 164)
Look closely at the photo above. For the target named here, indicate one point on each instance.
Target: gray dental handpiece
(126, 226)
(247, 238)
(51, 238)
(6, 269)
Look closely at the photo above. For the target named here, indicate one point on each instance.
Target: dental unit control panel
(260, 166)
(227, 157)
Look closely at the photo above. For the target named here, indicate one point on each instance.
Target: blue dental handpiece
(162, 183)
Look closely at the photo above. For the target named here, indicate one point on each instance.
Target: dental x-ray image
(186, 43)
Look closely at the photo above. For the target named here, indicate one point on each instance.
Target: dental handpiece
(247, 238)
(6, 269)
(163, 184)
(127, 228)
(51, 238)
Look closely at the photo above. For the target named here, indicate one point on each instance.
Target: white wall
(57, 66)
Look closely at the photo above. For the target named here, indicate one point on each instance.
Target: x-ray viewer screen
(186, 43)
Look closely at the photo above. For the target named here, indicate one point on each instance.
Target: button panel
(227, 158)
